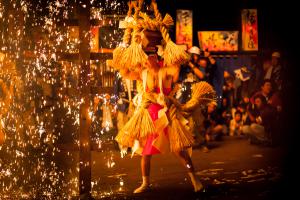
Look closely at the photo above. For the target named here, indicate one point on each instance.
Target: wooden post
(83, 7)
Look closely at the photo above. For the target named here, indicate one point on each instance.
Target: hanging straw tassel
(119, 51)
(180, 138)
(168, 21)
(124, 139)
(134, 56)
(139, 126)
(202, 93)
(173, 54)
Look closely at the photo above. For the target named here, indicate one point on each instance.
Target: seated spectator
(228, 90)
(272, 98)
(236, 124)
(214, 127)
(224, 112)
(265, 91)
(242, 108)
(262, 117)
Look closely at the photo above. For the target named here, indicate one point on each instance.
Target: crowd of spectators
(254, 115)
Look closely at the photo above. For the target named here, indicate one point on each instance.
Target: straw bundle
(134, 56)
(119, 51)
(131, 109)
(202, 92)
(173, 54)
(139, 126)
(168, 21)
(180, 138)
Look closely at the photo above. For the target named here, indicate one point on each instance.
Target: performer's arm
(174, 72)
(132, 75)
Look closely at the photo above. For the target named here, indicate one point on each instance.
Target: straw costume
(159, 123)
(131, 59)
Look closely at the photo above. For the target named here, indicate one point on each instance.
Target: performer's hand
(123, 151)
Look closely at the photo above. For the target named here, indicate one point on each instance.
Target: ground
(232, 169)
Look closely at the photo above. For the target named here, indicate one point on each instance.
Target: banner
(184, 27)
(249, 30)
(218, 40)
(94, 39)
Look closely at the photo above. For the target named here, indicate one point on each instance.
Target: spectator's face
(275, 61)
(211, 108)
(237, 117)
(203, 63)
(267, 88)
(194, 57)
(258, 103)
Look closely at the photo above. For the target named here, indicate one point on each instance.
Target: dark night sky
(225, 15)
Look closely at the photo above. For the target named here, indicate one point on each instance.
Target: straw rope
(119, 51)
(173, 54)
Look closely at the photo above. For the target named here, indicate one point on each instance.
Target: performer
(158, 124)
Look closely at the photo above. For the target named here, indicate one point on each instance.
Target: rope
(156, 11)
(128, 30)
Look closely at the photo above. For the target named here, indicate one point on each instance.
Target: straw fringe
(139, 126)
(174, 54)
(180, 138)
(133, 57)
(202, 93)
(168, 21)
(119, 51)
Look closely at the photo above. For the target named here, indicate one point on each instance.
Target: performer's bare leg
(145, 166)
(185, 159)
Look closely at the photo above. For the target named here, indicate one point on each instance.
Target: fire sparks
(39, 106)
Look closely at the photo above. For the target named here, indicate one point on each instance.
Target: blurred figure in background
(273, 70)
(192, 73)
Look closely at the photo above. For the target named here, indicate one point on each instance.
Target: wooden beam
(84, 85)
(93, 56)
